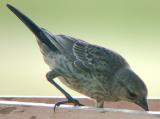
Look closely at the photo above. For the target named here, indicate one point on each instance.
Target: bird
(94, 71)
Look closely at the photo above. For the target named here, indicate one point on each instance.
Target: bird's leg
(50, 76)
(99, 104)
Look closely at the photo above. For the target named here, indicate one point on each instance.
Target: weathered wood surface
(42, 108)
(154, 103)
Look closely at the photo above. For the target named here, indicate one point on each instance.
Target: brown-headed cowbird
(92, 70)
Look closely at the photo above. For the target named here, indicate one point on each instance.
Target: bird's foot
(75, 102)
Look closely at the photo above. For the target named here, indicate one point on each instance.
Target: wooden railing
(42, 108)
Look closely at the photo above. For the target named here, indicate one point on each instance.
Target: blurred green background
(130, 27)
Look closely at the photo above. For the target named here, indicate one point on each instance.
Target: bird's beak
(143, 103)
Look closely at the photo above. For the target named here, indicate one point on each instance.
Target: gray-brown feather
(92, 70)
(92, 75)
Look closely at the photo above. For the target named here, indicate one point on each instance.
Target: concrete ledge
(19, 108)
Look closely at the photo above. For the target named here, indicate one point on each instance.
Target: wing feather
(95, 58)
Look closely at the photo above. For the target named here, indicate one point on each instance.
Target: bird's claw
(74, 101)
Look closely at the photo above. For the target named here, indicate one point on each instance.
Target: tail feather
(34, 28)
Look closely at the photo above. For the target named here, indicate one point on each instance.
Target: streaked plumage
(89, 69)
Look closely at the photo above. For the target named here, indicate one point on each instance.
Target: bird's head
(129, 87)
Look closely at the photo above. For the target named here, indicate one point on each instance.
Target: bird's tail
(39, 32)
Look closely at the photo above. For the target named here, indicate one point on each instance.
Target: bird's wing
(94, 58)
(62, 42)
(85, 56)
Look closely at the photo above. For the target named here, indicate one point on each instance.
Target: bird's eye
(132, 95)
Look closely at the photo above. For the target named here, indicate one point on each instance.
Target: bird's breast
(85, 83)
(93, 85)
